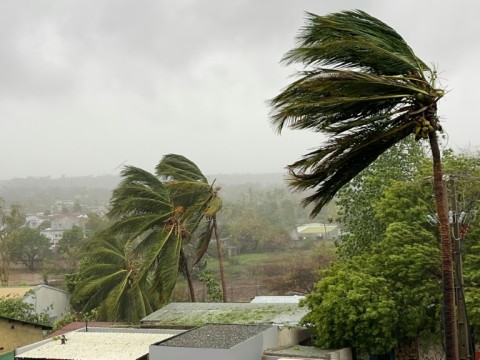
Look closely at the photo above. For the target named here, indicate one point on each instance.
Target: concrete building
(318, 231)
(201, 331)
(54, 301)
(16, 333)
(61, 222)
(285, 317)
(217, 342)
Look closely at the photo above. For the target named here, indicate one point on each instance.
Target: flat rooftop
(96, 345)
(214, 336)
(194, 314)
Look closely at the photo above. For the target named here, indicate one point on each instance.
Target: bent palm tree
(190, 189)
(364, 86)
(160, 213)
(146, 215)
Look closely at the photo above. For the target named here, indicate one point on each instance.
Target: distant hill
(36, 194)
(242, 179)
(111, 181)
(102, 181)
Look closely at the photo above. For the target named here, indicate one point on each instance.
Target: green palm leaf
(354, 39)
(364, 86)
(178, 168)
(110, 281)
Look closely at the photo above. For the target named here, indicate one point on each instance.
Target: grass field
(244, 265)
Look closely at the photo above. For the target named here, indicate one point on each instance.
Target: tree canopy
(30, 248)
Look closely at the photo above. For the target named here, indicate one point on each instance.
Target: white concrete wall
(250, 349)
(288, 336)
(54, 301)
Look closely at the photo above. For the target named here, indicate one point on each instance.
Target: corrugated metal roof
(96, 345)
(189, 314)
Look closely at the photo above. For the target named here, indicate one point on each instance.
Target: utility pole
(456, 219)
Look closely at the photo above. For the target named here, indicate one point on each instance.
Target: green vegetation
(402, 262)
(10, 224)
(30, 248)
(16, 308)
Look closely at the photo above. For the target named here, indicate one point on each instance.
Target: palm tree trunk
(449, 313)
(188, 276)
(220, 261)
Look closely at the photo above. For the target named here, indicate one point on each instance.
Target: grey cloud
(94, 83)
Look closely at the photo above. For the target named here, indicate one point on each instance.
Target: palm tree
(190, 189)
(160, 213)
(145, 214)
(110, 283)
(364, 86)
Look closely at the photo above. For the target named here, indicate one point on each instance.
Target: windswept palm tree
(190, 189)
(110, 283)
(160, 213)
(365, 88)
(144, 213)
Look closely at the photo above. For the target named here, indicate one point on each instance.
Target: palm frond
(331, 166)
(328, 100)
(188, 193)
(354, 39)
(163, 261)
(363, 86)
(110, 281)
(178, 168)
(139, 227)
(214, 206)
(203, 241)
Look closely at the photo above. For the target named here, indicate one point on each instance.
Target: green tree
(109, 282)
(10, 224)
(45, 225)
(379, 300)
(366, 87)
(95, 224)
(213, 291)
(299, 273)
(16, 308)
(261, 220)
(30, 247)
(76, 206)
(356, 199)
(70, 246)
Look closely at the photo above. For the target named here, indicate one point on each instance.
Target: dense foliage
(16, 308)
(30, 248)
(390, 283)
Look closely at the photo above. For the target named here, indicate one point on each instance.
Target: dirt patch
(17, 278)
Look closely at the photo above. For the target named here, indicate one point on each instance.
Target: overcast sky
(89, 85)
